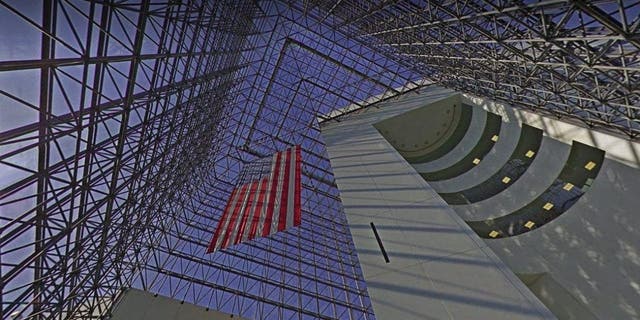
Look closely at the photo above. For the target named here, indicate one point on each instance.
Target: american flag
(266, 200)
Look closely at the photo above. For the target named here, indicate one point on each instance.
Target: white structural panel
(593, 249)
(590, 255)
(438, 267)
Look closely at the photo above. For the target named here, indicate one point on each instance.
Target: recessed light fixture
(529, 154)
(476, 161)
(494, 138)
(529, 224)
(547, 206)
(568, 186)
(493, 233)
(590, 165)
(506, 180)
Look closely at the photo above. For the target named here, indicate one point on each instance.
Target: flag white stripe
(251, 213)
(233, 230)
(276, 207)
(292, 188)
(228, 218)
(248, 212)
(265, 207)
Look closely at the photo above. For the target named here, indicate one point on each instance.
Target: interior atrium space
(319, 159)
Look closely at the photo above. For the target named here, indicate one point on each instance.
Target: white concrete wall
(439, 268)
(593, 249)
(560, 301)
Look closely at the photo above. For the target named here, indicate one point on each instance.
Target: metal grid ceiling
(124, 125)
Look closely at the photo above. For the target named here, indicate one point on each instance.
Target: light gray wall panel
(591, 253)
(439, 268)
(593, 249)
(556, 297)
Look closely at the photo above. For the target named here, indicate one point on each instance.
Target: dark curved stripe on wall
(559, 195)
(528, 144)
(480, 150)
(454, 139)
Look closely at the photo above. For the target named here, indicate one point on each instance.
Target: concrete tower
(126, 126)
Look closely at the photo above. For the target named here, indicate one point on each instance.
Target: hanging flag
(266, 200)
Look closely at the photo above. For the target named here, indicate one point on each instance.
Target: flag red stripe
(259, 206)
(252, 211)
(282, 222)
(247, 211)
(298, 185)
(272, 196)
(225, 213)
(234, 216)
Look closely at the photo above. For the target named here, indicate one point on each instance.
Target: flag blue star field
(265, 201)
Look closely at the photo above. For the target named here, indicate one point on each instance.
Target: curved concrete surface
(570, 185)
(592, 250)
(518, 163)
(492, 162)
(452, 140)
(589, 255)
(438, 268)
(421, 131)
(619, 149)
(478, 121)
(540, 175)
(485, 144)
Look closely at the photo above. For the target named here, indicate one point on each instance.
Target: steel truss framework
(577, 60)
(124, 125)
